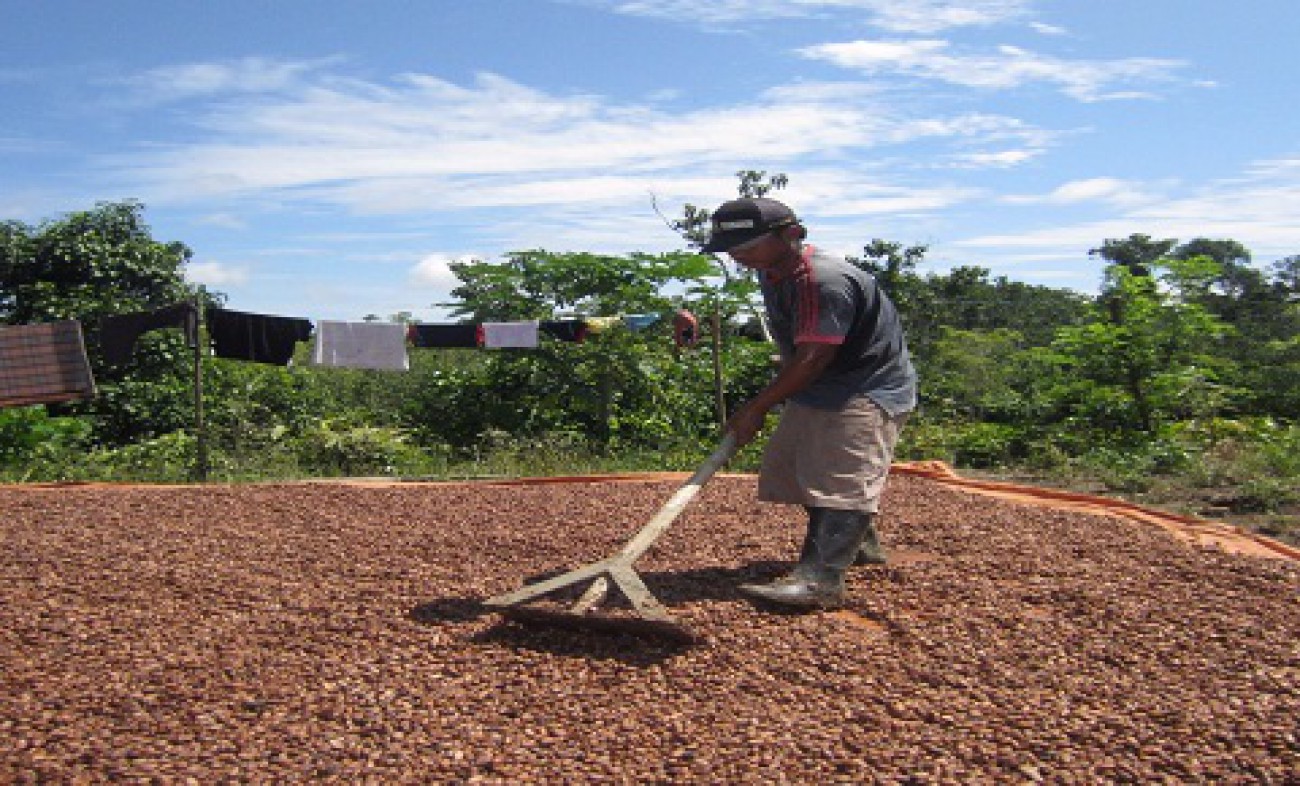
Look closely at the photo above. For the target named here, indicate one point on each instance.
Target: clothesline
(47, 363)
(382, 345)
(268, 338)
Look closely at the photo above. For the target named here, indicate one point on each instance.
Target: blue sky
(327, 159)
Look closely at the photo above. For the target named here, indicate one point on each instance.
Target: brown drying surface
(284, 632)
(1196, 531)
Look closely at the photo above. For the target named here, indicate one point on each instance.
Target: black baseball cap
(742, 220)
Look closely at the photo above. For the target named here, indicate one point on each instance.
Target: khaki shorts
(830, 458)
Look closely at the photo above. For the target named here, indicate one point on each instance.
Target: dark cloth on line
(118, 333)
(261, 338)
(571, 330)
(448, 336)
(44, 364)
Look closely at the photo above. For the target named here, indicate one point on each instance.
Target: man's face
(766, 252)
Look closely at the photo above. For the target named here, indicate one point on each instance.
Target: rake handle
(673, 508)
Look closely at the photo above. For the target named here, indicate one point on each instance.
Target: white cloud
(999, 159)
(424, 144)
(1097, 189)
(845, 200)
(1009, 67)
(931, 16)
(249, 75)
(1046, 29)
(223, 220)
(216, 273)
(1258, 209)
(434, 271)
(1103, 190)
(916, 16)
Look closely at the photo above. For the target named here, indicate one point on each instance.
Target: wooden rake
(653, 619)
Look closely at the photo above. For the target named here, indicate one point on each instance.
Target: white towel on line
(373, 345)
(510, 335)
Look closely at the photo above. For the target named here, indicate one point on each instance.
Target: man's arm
(808, 363)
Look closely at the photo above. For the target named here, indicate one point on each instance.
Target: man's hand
(808, 363)
(745, 423)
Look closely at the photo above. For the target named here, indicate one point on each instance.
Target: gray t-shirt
(826, 300)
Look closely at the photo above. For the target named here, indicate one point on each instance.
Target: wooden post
(718, 387)
(200, 430)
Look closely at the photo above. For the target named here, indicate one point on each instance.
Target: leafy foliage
(92, 264)
(1187, 366)
(541, 284)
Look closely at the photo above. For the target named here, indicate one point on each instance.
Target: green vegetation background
(1178, 385)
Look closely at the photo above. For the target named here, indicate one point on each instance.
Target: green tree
(1134, 255)
(543, 284)
(892, 264)
(613, 388)
(87, 264)
(1137, 253)
(973, 374)
(95, 263)
(1271, 338)
(965, 298)
(1156, 365)
(1262, 310)
(1236, 292)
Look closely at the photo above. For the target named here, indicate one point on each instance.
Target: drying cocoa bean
(295, 632)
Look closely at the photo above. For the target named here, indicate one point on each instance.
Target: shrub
(28, 431)
(336, 446)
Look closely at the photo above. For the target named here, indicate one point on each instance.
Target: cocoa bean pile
(334, 633)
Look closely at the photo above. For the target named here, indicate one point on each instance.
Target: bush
(979, 445)
(26, 432)
(168, 458)
(1266, 495)
(336, 446)
(165, 459)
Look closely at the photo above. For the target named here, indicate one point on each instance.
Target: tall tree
(1238, 291)
(1136, 253)
(95, 263)
(1134, 256)
(541, 284)
(86, 265)
(1157, 364)
(892, 264)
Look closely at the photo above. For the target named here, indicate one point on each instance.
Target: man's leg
(871, 553)
(880, 439)
(836, 465)
(834, 539)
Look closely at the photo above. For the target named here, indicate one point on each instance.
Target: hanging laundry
(601, 324)
(373, 345)
(44, 364)
(118, 333)
(637, 322)
(571, 330)
(445, 336)
(686, 329)
(510, 335)
(260, 338)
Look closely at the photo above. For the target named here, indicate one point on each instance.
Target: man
(847, 384)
